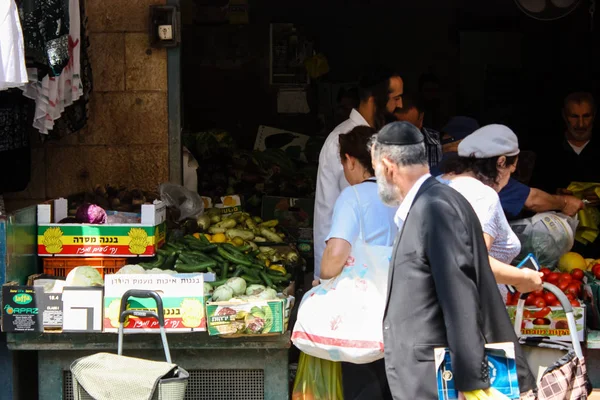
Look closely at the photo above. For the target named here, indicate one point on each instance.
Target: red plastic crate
(61, 266)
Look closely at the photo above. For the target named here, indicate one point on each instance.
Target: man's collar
(406, 204)
(357, 118)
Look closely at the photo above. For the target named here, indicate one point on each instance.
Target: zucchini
(250, 279)
(269, 224)
(238, 271)
(213, 229)
(191, 268)
(266, 279)
(224, 271)
(259, 239)
(203, 222)
(234, 258)
(170, 261)
(158, 263)
(246, 235)
(217, 283)
(227, 223)
(270, 236)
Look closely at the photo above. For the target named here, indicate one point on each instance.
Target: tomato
(530, 301)
(575, 303)
(574, 289)
(553, 278)
(542, 313)
(577, 274)
(540, 302)
(546, 272)
(570, 296)
(596, 271)
(556, 303)
(540, 321)
(549, 297)
(563, 285)
(538, 293)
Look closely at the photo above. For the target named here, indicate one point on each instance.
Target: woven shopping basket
(105, 376)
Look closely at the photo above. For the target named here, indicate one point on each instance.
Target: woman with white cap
(486, 159)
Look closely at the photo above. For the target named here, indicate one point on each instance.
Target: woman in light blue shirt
(360, 381)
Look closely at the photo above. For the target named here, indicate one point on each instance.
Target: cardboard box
(82, 308)
(257, 317)
(182, 296)
(229, 204)
(30, 309)
(502, 371)
(555, 324)
(107, 240)
(292, 213)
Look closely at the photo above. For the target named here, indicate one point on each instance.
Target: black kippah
(400, 133)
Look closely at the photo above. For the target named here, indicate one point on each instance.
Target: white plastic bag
(341, 319)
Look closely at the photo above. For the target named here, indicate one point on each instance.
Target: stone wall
(126, 140)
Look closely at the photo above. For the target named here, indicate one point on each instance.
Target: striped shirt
(433, 146)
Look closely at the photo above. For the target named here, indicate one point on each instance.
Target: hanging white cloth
(13, 72)
(53, 94)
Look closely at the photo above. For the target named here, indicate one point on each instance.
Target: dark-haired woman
(360, 381)
(486, 159)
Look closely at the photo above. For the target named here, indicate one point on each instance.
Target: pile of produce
(192, 254)
(224, 169)
(238, 227)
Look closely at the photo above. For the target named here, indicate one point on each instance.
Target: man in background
(413, 111)
(380, 92)
(515, 196)
(573, 156)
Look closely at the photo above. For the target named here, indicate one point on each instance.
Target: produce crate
(553, 325)
(61, 266)
(94, 240)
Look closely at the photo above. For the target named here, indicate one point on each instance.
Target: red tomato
(575, 303)
(596, 271)
(570, 296)
(574, 289)
(577, 274)
(546, 272)
(563, 285)
(540, 302)
(530, 301)
(549, 297)
(538, 293)
(553, 278)
(556, 303)
(565, 276)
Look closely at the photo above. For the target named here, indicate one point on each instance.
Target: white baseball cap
(490, 141)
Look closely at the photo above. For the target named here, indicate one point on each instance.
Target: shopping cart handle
(142, 294)
(562, 298)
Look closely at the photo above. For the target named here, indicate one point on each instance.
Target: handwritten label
(98, 250)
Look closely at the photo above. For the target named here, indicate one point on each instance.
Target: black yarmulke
(400, 133)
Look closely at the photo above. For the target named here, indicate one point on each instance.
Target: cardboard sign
(552, 326)
(182, 296)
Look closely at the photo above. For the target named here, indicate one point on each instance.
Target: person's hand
(316, 282)
(572, 205)
(461, 396)
(530, 282)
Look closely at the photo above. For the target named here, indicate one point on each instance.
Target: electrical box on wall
(165, 26)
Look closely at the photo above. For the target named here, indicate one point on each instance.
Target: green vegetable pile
(196, 254)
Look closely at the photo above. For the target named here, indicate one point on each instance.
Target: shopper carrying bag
(341, 318)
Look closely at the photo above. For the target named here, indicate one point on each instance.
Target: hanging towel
(13, 72)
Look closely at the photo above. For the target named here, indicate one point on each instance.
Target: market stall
(226, 279)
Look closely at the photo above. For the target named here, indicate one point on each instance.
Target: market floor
(595, 395)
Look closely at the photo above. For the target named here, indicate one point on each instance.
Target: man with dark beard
(380, 92)
(442, 292)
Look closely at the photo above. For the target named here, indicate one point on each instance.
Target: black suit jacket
(442, 293)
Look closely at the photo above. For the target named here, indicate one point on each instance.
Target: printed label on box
(29, 309)
(552, 324)
(182, 296)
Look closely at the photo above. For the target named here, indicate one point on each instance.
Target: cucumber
(190, 268)
(251, 279)
(224, 270)
(266, 279)
(234, 258)
(217, 283)
(158, 263)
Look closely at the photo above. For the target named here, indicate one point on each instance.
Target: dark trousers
(365, 381)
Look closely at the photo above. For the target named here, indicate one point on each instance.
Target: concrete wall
(126, 140)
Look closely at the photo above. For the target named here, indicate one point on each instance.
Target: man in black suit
(442, 292)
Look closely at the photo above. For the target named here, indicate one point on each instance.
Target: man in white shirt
(380, 93)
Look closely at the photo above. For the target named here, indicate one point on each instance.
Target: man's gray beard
(580, 136)
(387, 192)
